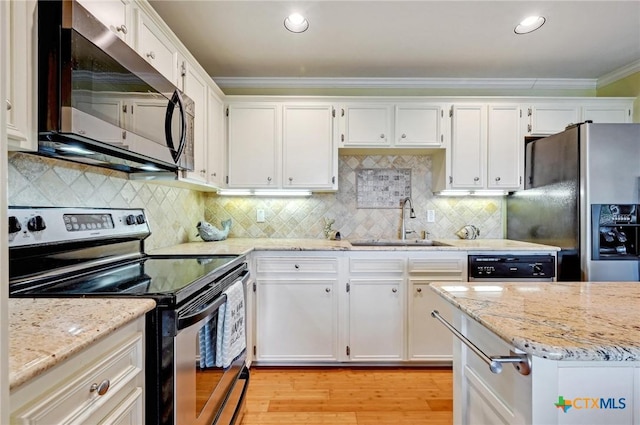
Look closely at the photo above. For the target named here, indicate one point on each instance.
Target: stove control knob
(130, 219)
(36, 224)
(537, 268)
(140, 219)
(14, 225)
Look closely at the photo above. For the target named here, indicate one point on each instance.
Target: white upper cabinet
(195, 86)
(552, 118)
(114, 14)
(254, 137)
(468, 146)
(504, 147)
(419, 125)
(486, 147)
(308, 154)
(154, 46)
(281, 146)
(366, 125)
(603, 113)
(19, 40)
(215, 142)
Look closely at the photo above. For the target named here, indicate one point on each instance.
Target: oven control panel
(47, 225)
(512, 266)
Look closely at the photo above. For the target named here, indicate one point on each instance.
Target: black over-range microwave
(101, 103)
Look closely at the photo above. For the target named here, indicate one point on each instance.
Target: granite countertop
(557, 321)
(245, 245)
(40, 336)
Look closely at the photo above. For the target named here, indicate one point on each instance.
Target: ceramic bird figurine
(209, 232)
(468, 232)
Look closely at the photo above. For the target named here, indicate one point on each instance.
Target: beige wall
(625, 87)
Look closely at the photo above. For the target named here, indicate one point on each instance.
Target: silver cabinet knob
(122, 28)
(82, 132)
(404, 136)
(9, 105)
(101, 388)
(151, 54)
(327, 290)
(394, 290)
(290, 179)
(475, 179)
(269, 179)
(382, 136)
(214, 174)
(497, 179)
(419, 290)
(296, 266)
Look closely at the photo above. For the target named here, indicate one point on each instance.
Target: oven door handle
(188, 320)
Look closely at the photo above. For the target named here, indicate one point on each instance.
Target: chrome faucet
(412, 214)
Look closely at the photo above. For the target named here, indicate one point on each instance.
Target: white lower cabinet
(296, 308)
(102, 384)
(599, 392)
(427, 339)
(364, 306)
(376, 307)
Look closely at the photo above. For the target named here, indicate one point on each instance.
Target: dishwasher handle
(521, 362)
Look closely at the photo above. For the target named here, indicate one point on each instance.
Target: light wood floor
(349, 396)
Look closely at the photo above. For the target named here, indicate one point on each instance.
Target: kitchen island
(582, 341)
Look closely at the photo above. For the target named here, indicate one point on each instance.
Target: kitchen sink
(397, 242)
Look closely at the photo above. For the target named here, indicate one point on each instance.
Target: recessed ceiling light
(296, 23)
(529, 24)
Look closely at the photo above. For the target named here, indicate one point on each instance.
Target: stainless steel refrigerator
(582, 194)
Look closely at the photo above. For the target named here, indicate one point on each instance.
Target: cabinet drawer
(376, 265)
(300, 265)
(72, 401)
(436, 266)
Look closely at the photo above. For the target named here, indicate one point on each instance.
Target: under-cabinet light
(454, 193)
(234, 192)
(270, 193)
(276, 193)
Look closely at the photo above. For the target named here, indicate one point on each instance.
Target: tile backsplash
(304, 217)
(173, 212)
(37, 181)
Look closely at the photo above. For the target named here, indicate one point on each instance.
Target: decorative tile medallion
(382, 187)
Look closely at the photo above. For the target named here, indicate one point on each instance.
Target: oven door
(202, 389)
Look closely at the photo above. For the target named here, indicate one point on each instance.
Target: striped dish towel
(231, 339)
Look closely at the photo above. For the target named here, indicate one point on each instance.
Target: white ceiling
(407, 39)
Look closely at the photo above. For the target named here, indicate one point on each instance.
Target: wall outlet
(260, 216)
(431, 216)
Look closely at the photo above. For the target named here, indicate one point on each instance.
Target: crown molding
(619, 74)
(408, 83)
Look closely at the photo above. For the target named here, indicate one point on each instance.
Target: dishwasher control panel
(509, 266)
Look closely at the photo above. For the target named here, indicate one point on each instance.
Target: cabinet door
(551, 118)
(195, 87)
(428, 339)
(114, 14)
(308, 152)
(468, 141)
(366, 125)
(20, 46)
(297, 320)
(376, 319)
(504, 147)
(253, 145)
(606, 114)
(419, 126)
(156, 48)
(215, 141)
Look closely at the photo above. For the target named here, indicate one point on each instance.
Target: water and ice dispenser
(615, 231)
